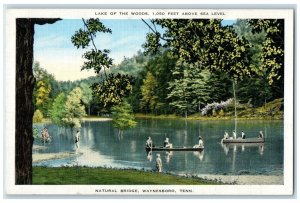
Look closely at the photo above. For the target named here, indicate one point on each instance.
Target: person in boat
(201, 143)
(260, 135)
(167, 144)
(158, 163)
(226, 136)
(243, 135)
(149, 143)
(234, 134)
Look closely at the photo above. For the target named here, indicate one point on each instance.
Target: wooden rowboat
(247, 140)
(175, 149)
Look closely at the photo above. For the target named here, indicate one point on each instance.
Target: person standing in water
(77, 137)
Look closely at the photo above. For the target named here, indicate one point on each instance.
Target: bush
(221, 113)
(37, 116)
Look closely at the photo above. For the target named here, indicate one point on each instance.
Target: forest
(191, 69)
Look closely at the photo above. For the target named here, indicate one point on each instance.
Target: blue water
(101, 146)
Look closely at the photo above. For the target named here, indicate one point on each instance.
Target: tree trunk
(24, 106)
(24, 90)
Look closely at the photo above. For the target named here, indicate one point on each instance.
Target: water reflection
(199, 154)
(149, 156)
(100, 145)
(168, 156)
(242, 146)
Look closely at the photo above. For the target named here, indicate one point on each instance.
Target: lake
(101, 146)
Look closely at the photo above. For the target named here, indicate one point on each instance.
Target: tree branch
(93, 42)
(153, 30)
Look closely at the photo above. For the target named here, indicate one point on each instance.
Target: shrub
(37, 116)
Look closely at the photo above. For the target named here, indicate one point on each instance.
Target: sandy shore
(96, 119)
(38, 147)
(49, 156)
(246, 179)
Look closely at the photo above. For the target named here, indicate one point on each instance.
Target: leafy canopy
(203, 42)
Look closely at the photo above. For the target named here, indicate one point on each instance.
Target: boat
(247, 140)
(175, 149)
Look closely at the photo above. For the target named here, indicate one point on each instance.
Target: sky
(55, 52)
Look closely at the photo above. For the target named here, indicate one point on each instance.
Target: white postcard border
(9, 138)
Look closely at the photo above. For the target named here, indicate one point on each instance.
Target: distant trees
(87, 96)
(188, 89)
(149, 99)
(57, 111)
(42, 89)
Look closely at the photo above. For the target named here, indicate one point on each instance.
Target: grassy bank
(271, 111)
(107, 176)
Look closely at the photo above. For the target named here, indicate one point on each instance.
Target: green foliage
(58, 111)
(35, 133)
(205, 43)
(272, 55)
(188, 89)
(42, 89)
(97, 60)
(37, 116)
(82, 38)
(74, 110)
(122, 116)
(149, 100)
(111, 91)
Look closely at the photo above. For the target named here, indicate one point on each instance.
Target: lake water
(101, 146)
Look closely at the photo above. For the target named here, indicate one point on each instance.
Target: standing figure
(201, 144)
(167, 144)
(149, 143)
(243, 135)
(226, 136)
(234, 134)
(45, 135)
(261, 135)
(77, 140)
(158, 163)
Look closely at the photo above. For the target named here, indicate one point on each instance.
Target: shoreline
(205, 118)
(40, 157)
(246, 179)
(223, 179)
(96, 119)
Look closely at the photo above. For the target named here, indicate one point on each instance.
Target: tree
(74, 110)
(24, 90)
(41, 95)
(272, 55)
(149, 99)
(188, 89)
(87, 95)
(57, 111)
(202, 42)
(123, 118)
(114, 87)
(43, 88)
(37, 116)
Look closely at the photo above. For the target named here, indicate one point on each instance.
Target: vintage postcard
(149, 101)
